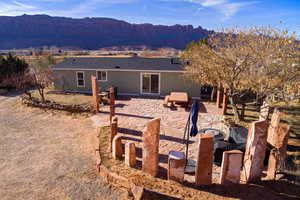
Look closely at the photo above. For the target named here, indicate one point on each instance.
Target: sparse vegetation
(79, 99)
(11, 66)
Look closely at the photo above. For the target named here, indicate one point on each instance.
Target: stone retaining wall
(34, 102)
(133, 191)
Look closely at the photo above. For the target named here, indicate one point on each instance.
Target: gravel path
(46, 156)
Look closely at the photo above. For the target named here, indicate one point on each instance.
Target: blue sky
(211, 14)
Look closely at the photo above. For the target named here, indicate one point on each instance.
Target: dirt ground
(47, 156)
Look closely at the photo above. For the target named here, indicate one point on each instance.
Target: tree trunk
(212, 96)
(41, 92)
(243, 111)
(264, 111)
(235, 109)
(28, 94)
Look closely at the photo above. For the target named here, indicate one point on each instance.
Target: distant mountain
(91, 33)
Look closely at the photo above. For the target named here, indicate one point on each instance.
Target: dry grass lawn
(71, 98)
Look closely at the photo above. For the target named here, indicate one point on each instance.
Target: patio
(133, 113)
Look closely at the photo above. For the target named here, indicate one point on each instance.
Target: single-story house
(131, 76)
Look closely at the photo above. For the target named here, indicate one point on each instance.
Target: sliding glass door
(150, 83)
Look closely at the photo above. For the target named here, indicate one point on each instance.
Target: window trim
(98, 77)
(83, 74)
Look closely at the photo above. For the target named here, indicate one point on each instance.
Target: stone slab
(176, 166)
(255, 151)
(151, 136)
(272, 138)
(117, 150)
(130, 154)
(231, 167)
(204, 163)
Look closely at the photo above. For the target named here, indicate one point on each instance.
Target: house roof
(120, 64)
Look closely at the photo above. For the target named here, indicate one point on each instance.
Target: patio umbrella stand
(191, 131)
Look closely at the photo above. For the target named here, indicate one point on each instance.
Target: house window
(102, 75)
(80, 79)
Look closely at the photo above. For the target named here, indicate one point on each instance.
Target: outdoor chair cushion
(236, 141)
(221, 146)
(219, 135)
(238, 135)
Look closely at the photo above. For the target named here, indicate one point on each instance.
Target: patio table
(179, 97)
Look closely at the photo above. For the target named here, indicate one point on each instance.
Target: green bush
(11, 65)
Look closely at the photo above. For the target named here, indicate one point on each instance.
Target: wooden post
(225, 101)
(231, 167)
(204, 164)
(151, 147)
(255, 151)
(95, 90)
(112, 102)
(219, 96)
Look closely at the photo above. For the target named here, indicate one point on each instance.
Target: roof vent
(175, 61)
(73, 61)
(117, 67)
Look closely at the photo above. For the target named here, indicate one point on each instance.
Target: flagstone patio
(133, 114)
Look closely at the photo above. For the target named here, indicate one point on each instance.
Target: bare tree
(265, 60)
(41, 79)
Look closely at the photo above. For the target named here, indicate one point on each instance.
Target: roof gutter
(115, 70)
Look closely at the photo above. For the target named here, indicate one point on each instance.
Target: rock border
(75, 108)
(112, 178)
